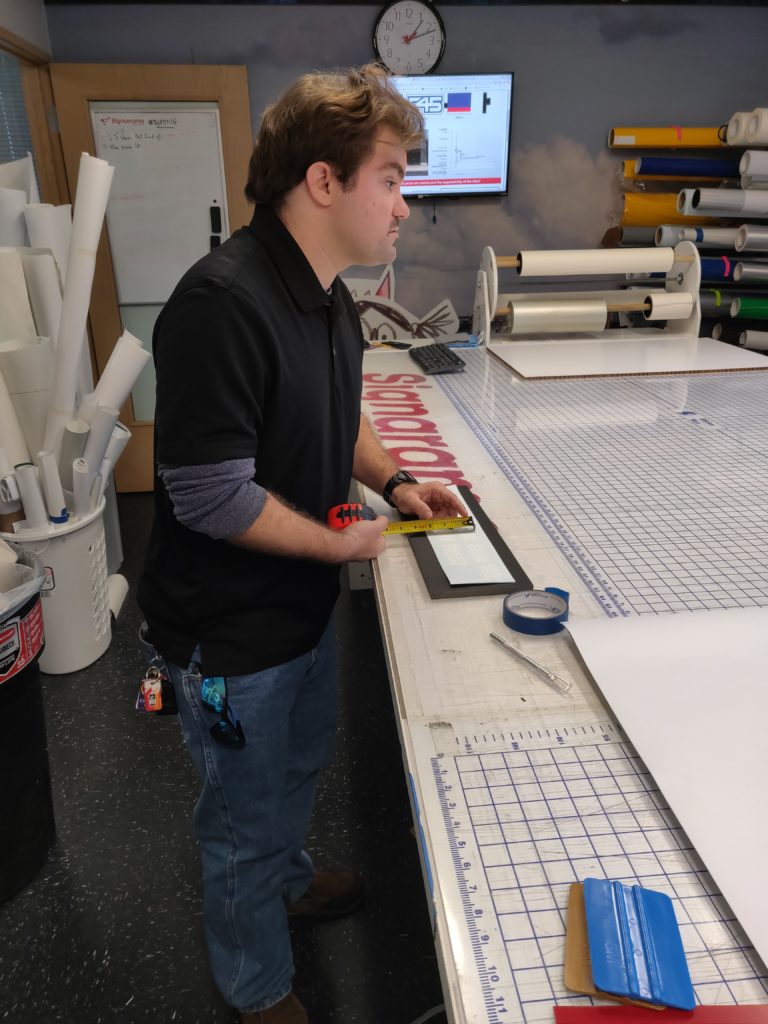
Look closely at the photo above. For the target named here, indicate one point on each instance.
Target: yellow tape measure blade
(431, 525)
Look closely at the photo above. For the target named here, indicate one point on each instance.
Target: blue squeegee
(635, 945)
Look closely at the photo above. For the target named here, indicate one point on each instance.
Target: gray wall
(579, 70)
(26, 19)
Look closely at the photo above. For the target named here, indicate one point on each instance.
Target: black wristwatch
(402, 476)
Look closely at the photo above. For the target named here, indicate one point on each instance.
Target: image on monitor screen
(467, 120)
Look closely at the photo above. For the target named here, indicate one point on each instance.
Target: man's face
(369, 214)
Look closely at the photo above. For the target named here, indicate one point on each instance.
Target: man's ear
(321, 182)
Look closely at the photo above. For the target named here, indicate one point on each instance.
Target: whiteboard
(169, 172)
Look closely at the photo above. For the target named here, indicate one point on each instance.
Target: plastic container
(27, 829)
(75, 594)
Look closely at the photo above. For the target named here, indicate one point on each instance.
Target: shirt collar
(293, 266)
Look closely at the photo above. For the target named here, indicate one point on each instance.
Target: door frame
(74, 87)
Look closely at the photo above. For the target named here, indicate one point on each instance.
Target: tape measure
(536, 612)
(354, 511)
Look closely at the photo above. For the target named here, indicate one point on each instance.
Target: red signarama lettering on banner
(20, 641)
(401, 420)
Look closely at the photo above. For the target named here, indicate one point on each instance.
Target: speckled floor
(110, 929)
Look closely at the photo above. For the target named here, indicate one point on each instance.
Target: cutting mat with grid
(655, 489)
(525, 814)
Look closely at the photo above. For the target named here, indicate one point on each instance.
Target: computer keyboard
(437, 358)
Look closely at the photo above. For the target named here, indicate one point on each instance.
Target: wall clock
(409, 37)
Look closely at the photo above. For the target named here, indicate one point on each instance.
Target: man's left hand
(427, 501)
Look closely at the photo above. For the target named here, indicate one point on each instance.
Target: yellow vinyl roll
(649, 209)
(672, 136)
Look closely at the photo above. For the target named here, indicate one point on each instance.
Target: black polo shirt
(254, 359)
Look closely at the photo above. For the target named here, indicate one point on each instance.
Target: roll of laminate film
(704, 238)
(547, 317)
(757, 272)
(736, 132)
(757, 127)
(571, 262)
(717, 268)
(668, 306)
(687, 167)
(752, 238)
(754, 163)
(712, 199)
(746, 307)
(636, 235)
(649, 209)
(757, 340)
(672, 137)
(536, 612)
(685, 201)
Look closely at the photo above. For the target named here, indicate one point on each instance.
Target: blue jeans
(253, 813)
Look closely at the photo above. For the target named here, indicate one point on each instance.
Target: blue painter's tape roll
(536, 612)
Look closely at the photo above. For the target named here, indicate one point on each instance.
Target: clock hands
(416, 34)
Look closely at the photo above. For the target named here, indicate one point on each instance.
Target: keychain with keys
(156, 694)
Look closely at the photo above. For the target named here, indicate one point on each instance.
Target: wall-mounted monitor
(467, 120)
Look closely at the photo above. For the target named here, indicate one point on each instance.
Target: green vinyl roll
(754, 308)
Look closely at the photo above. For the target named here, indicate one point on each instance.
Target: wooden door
(75, 88)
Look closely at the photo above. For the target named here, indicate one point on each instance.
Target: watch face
(409, 37)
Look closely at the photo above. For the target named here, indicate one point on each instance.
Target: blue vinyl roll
(717, 268)
(536, 612)
(682, 167)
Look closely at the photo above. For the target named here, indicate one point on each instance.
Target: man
(258, 432)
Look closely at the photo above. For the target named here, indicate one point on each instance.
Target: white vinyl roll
(736, 132)
(10, 429)
(52, 489)
(669, 234)
(747, 181)
(685, 201)
(757, 127)
(50, 227)
(72, 447)
(754, 162)
(755, 203)
(668, 306)
(35, 512)
(752, 238)
(751, 272)
(44, 290)
(81, 488)
(546, 317)
(757, 340)
(120, 437)
(128, 359)
(571, 262)
(718, 199)
(93, 183)
(98, 438)
(702, 237)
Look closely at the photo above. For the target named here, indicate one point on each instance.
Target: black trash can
(27, 829)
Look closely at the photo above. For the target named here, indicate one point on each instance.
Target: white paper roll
(752, 238)
(751, 272)
(754, 162)
(11, 433)
(757, 127)
(15, 312)
(726, 200)
(117, 588)
(44, 291)
(35, 512)
(546, 317)
(50, 227)
(570, 262)
(98, 438)
(685, 201)
(81, 488)
(20, 174)
(668, 306)
(117, 442)
(52, 489)
(27, 368)
(94, 180)
(128, 359)
(13, 227)
(72, 447)
(757, 340)
(736, 132)
(87, 409)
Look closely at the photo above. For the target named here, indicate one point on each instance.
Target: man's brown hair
(330, 116)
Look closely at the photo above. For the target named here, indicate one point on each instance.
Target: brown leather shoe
(287, 1011)
(332, 894)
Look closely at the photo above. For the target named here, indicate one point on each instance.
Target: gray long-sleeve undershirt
(220, 499)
